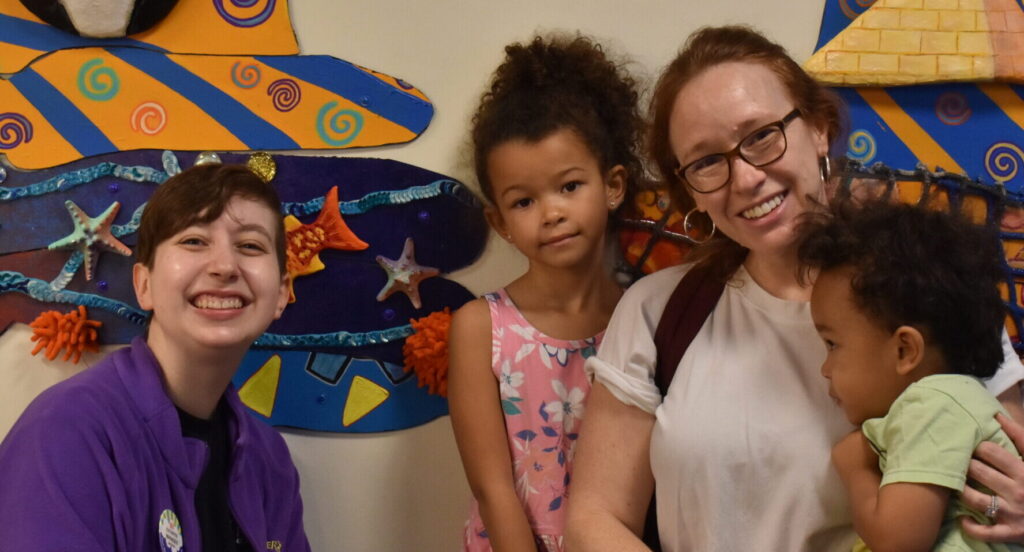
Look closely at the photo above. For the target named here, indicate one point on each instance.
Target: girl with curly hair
(554, 141)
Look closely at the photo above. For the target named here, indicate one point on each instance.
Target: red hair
(706, 48)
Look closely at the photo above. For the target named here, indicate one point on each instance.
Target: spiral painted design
(854, 12)
(1003, 160)
(253, 21)
(96, 82)
(952, 108)
(149, 118)
(861, 146)
(340, 127)
(245, 76)
(285, 94)
(15, 130)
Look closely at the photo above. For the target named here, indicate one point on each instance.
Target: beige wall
(405, 490)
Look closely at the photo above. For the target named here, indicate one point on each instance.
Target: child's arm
(475, 407)
(900, 516)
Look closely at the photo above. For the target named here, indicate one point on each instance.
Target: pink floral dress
(543, 388)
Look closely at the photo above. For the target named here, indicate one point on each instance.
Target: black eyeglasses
(761, 147)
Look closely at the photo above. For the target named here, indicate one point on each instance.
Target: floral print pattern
(543, 390)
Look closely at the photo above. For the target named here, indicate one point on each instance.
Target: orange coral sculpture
(72, 331)
(426, 351)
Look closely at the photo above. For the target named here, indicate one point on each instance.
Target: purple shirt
(98, 462)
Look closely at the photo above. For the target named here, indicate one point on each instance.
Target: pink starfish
(404, 275)
(90, 233)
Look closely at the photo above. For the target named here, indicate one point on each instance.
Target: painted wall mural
(341, 325)
(946, 144)
(90, 101)
(253, 27)
(89, 127)
(889, 42)
(966, 128)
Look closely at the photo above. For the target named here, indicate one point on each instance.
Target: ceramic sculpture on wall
(336, 330)
(103, 121)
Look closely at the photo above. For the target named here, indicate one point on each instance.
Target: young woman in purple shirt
(151, 449)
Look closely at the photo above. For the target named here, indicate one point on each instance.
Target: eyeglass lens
(764, 146)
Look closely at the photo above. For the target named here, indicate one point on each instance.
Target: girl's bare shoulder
(471, 323)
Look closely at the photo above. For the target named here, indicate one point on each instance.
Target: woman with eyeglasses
(739, 444)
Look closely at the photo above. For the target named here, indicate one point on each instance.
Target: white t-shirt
(741, 445)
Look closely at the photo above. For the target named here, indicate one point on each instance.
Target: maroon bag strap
(685, 313)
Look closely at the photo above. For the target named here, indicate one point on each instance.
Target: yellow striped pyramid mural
(936, 116)
(897, 42)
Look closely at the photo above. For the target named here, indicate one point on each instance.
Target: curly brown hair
(706, 48)
(912, 266)
(557, 83)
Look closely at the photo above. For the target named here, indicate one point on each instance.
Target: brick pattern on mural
(898, 42)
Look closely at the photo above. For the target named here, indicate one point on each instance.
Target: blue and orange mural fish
(306, 241)
(91, 101)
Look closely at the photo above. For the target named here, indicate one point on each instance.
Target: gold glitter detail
(263, 165)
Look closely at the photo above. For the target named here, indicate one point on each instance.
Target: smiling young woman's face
(215, 285)
(717, 109)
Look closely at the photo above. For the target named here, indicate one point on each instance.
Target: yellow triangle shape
(896, 42)
(260, 391)
(363, 397)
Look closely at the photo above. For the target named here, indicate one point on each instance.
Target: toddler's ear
(910, 349)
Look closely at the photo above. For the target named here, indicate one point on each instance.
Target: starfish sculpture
(306, 241)
(91, 233)
(404, 275)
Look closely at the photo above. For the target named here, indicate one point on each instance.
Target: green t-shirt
(929, 436)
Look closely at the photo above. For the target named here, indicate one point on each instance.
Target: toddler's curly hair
(913, 266)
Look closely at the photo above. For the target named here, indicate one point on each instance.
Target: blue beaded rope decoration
(55, 292)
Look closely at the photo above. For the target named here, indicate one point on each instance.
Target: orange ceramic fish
(306, 241)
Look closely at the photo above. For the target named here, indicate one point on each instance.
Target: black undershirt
(216, 523)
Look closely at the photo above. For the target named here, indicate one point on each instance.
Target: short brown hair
(198, 196)
(706, 48)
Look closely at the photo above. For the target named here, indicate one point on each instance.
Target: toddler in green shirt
(906, 302)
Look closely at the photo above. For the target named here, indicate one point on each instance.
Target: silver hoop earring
(825, 169)
(688, 226)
